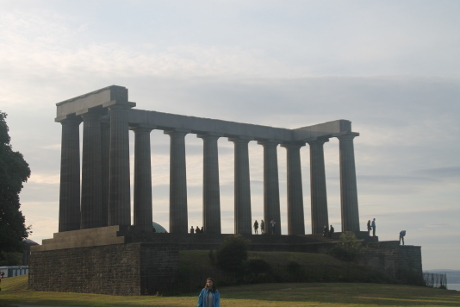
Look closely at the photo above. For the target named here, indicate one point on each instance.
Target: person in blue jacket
(209, 296)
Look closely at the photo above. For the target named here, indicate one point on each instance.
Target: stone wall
(122, 269)
(403, 263)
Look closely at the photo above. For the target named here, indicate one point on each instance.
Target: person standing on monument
(369, 227)
(273, 223)
(402, 234)
(256, 227)
(209, 296)
(373, 225)
(325, 231)
(262, 226)
(331, 231)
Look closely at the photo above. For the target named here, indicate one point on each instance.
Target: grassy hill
(14, 291)
(196, 266)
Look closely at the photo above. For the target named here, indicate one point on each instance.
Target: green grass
(14, 291)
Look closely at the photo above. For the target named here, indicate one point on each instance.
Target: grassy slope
(14, 291)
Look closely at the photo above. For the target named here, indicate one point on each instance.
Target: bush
(232, 254)
(348, 247)
(257, 270)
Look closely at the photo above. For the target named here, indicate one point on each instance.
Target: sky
(390, 67)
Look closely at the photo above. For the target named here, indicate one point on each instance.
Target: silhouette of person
(262, 226)
(256, 227)
(374, 226)
(331, 231)
(402, 234)
(273, 223)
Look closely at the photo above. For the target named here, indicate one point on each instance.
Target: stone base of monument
(99, 260)
(119, 260)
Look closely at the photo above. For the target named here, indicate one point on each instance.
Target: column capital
(176, 132)
(240, 139)
(209, 135)
(74, 120)
(320, 141)
(292, 145)
(142, 129)
(112, 105)
(268, 142)
(346, 135)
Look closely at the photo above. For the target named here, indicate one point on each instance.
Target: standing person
(262, 226)
(402, 233)
(331, 231)
(369, 227)
(192, 230)
(373, 227)
(209, 296)
(256, 227)
(273, 223)
(325, 231)
(197, 229)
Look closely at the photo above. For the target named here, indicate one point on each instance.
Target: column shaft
(69, 189)
(319, 215)
(119, 182)
(211, 187)
(242, 193)
(271, 187)
(105, 153)
(296, 221)
(178, 216)
(91, 190)
(348, 186)
(142, 180)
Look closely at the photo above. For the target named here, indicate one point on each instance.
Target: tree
(348, 247)
(232, 253)
(14, 171)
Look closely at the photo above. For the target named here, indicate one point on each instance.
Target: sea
(453, 287)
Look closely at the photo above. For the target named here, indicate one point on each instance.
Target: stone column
(142, 180)
(348, 187)
(119, 182)
(91, 190)
(296, 221)
(242, 193)
(211, 188)
(271, 187)
(69, 189)
(319, 216)
(105, 153)
(178, 216)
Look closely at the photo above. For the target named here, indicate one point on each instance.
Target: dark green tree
(232, 253)
(14, 171)
(348, 248)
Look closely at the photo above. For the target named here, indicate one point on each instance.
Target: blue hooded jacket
(202, 298)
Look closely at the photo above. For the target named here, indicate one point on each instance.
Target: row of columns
(105, 189)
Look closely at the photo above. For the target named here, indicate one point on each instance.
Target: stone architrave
(242, 193)
(295, 212)
(348, 186)
(271, 187)
(211, 187)
(319, 215)
(91, 190)
(119, 182)
(178, 215)
(69, 188)
(142, 180)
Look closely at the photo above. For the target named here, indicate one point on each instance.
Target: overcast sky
(390, 67)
